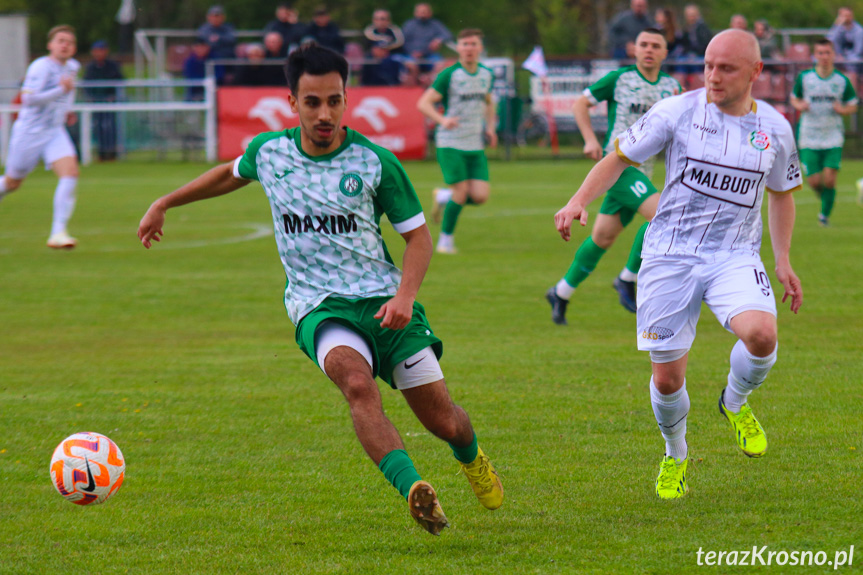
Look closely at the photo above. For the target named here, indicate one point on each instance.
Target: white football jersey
(43, 75)
(717, 170)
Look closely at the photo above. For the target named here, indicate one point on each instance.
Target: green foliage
(559, 27)
(241, 457)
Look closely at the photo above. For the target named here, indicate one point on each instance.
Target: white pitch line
(260, 231)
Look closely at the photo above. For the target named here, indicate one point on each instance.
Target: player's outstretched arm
(596, 183)
(780, 215)
(397, 312)
(216, 182)
(581, 111)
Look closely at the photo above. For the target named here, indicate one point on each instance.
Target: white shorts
(25, 151)
(419, 369)
(671, 289)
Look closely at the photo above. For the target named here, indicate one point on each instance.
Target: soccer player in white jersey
(39, 133)
(822, 95)
(630, 91)
(724, 151)
(464, 91)
(354, 310)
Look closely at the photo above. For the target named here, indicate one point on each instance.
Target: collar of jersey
(754, 109)
(349, 138)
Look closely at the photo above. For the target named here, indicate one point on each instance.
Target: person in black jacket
(324, 31)
(287, 23)
(104, 123)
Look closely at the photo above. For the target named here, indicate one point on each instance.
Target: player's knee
(603, 239)
(761, 340)
(358, 388)
(12, 184)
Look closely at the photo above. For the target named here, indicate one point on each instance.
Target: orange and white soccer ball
(87, 468)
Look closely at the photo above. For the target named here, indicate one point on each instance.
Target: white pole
(86, 137)
(212, 139)
(5, 132)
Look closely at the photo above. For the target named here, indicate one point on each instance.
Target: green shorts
(388, 346)
(814, 161)
(458, 165)
(627, 194)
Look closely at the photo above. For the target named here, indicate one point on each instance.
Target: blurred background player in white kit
(39, 133)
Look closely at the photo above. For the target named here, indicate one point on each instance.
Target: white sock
(628, 276)
(445, 240)
(443, 195)
(64, 204)
(564, 290)
(747, 373)
(671, 411)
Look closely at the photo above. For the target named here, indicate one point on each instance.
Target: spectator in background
(424, 37)
(766, 40)
(324, 31)
(739, 22)
(696, 34)
(257, 72)
(847, 35)
(625, 27)
(100, 68)
(384, 42)
(666, 22)
(287, 24)
(221, 39)
(274, 45)
(195, 68)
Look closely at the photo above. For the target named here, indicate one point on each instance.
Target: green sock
(586, 258)
(399, 470)
(828, 196)
(467, 453)
(633, 264)
(450, 217)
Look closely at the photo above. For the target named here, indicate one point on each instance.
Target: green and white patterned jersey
(326, 214)
(464, 97)
(629, 95)
(821, 127)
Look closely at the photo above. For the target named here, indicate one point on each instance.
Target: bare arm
(581, 111)
(490, 121)
(216, 182)
(780, 214)
(397, 312)
(427, 105)
(799, 104)
(844, 109)
(596, 183)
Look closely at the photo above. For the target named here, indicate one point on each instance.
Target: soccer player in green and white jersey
(630, 93)
(464, 90)
(822, 95)
(354, 310)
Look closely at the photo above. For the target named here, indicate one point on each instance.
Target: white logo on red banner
(386, 116)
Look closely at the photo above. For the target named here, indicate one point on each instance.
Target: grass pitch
(240, 453)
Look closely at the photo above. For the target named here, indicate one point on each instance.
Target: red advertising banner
(387, 116)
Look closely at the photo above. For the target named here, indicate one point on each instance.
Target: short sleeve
(849, 95)
(785, 175)
(441, 83)
(396, 195)
(650, 134)
(603, 89)
(246, 166)
(797, 91)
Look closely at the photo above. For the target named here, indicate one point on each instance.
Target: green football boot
(671, 482)
(751, 438)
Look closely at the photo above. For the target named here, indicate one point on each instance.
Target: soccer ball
(87, 468)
